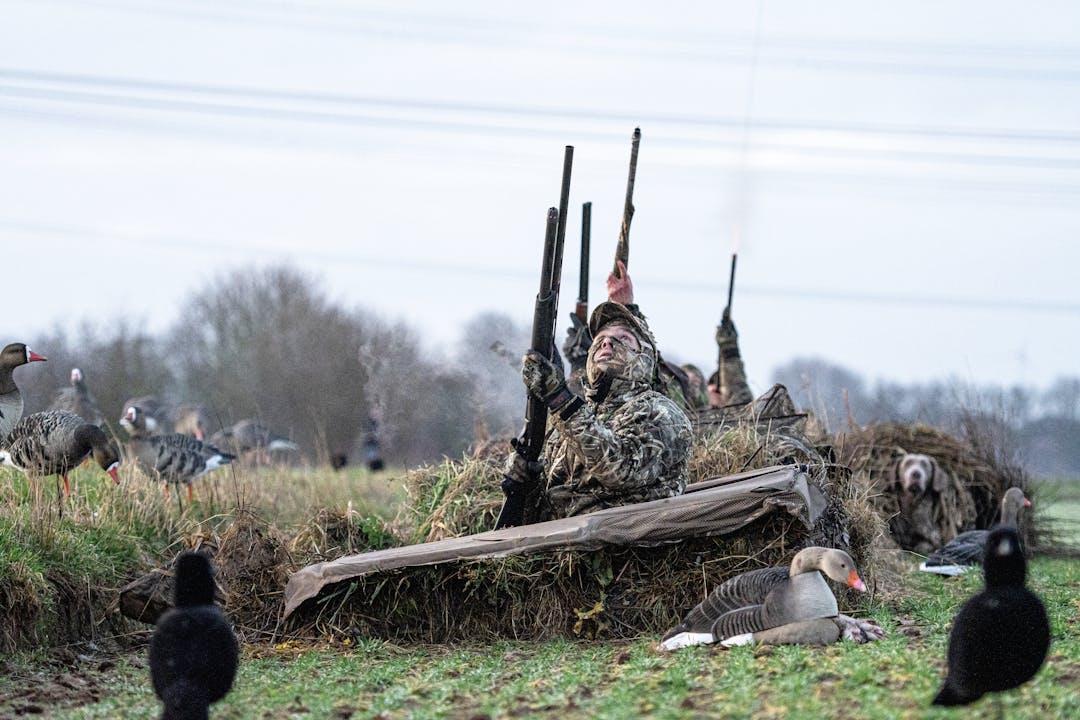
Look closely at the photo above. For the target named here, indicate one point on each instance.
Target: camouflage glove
(545, 380)
(577, 343)
(727, 338)
(520, 470)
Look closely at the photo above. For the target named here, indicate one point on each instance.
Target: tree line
(269, 344)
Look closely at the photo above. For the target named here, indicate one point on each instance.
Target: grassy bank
(893, 678)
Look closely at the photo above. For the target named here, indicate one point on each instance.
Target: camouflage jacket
(624, 446)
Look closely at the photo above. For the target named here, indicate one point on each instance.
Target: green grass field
(892, 678)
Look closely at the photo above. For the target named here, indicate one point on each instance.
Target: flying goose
(54, 442)
(966, 549)
(1000, 636)
(78, 399)
(193, 651)
(751, 607)
(11, 402)
(173, 458)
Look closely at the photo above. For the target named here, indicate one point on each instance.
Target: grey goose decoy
(54, 442)
(966, 549)
(11, 402)
(777, 605)
(78, 399)
(1000, 636)
(193, 651)
(251, 437)
(174, 458)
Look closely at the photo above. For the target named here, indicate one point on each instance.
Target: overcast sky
(901, 180)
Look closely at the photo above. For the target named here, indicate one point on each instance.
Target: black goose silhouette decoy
(778, 605)
(77, 398)
(11, 402)
(1000, 636)
(54, 442)
(193, 651)
(174, 458)
(966, 549)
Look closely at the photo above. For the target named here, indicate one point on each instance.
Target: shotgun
(581, 310)
(622, 250)
(530, 443)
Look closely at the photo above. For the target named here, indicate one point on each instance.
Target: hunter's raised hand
(620, 289)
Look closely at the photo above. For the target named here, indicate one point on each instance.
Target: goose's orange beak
(855, 581)
(114, 473)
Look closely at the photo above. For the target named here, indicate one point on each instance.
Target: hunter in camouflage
(623, 442)
(728, 385)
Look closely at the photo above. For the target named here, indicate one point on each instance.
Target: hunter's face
(612, 350)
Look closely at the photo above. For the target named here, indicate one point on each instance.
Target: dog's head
(916, 473)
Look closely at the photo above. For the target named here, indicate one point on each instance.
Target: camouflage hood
(629, 371)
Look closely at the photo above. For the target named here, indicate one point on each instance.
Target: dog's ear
(939, 481)
(896, 481)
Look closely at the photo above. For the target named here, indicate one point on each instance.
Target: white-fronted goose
(1000, 636)
(966, 549)
(77, 398)
(172, 458)
(193, 651)
(191, 420)
(54, 442)
(156, 416)
(745, 607)
(11, 402)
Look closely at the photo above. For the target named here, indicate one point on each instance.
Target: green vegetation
(362, 678)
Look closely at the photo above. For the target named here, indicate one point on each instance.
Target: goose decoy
(193, 651)
(251, 437)
(172, 458)
(11, 402)
(55, 442)
(77, 398)
(966, 549)
(753, 606)
(1000, 636)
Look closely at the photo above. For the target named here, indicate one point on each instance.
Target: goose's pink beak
(114, 473)
(32, 356)
(855, 581)
(1027, 503)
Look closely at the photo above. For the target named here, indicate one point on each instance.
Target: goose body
(11, 402)
(1000, 636)
(77, 398)
(174, 458)
(966, 549)
(54, 442)
(769, 598)
(251, 436)
(192, 420)
(193, 651)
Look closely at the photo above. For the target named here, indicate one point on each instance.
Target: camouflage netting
(976, 480)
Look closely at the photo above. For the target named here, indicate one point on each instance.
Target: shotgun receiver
(622, 250)
(520, 496)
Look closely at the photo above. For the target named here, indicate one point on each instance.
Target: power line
(443, 106)
(491, 272)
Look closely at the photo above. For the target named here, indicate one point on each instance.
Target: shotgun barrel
(622, 249)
